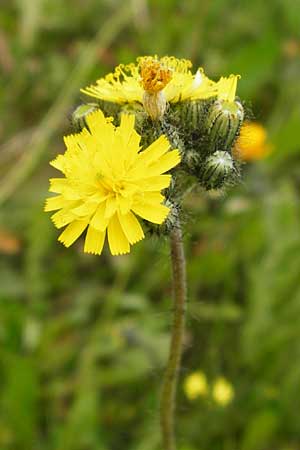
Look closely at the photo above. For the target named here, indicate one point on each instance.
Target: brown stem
(168, 396)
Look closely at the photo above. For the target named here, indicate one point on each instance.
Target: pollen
(154, 75)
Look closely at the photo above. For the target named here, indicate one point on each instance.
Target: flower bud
(191, 159)
(223, 123)
(217, 170)
(191, 114)
(152, 130)
(80, 113)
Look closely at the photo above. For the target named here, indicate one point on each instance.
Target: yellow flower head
(252, 143)
(227, 88)
(128, 83)
(195, 385)
(107, 181)
(222, 391)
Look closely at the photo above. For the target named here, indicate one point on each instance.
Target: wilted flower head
(128, 83)
(108, 180)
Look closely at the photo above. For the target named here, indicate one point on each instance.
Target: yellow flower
(107, 181)
(252, 143)
(128, 83)
(222, 391)
(195, 385)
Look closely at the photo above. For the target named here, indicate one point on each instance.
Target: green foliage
(83, 339)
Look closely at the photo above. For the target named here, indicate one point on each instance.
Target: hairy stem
(168, 396)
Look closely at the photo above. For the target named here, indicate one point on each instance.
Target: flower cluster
(146, 119)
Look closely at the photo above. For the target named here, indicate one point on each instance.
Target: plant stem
(168, 396)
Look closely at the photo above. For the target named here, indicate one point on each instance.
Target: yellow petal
(94, 241)
(131, 139)
(56, 202)
(116, 157)
(63, 186)
(154, 213)
(124, 204)
(122, 86)
(227, 87)
(85, 209)
(111, 207)
(99, 222)
(118, 242)
(153, 197)
(72, 232)
(155, 150)
(131, 227)
(72, 142)
(149, 167)
(63, 217)
(58, 163)
(126, 126)
(95, 120)
(164, 163)
(57, 185)
(155, 183)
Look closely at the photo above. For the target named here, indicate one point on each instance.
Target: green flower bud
(191, 159)
(192, 114)
(223, 123)
(217, 170)
(152, 130)
(80, 113)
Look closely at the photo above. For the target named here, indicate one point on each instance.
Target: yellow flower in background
(252, 143)
(128, 83)
(222, 391)
(195, 385)
(107, 181)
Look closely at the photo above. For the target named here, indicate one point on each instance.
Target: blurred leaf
(259, 432)
(19, 400)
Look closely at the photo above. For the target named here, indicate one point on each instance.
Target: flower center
(154, 76)
(118, 187)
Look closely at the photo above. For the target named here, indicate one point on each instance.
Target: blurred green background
(84, 339)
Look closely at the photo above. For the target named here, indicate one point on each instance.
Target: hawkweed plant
(151, 131)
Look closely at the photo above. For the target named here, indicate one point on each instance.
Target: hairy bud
(152, 130)
(192, 114)
(217, 170)
(80, 113)
(223, 123)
